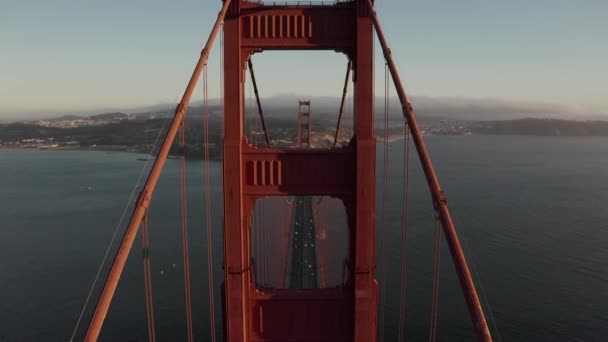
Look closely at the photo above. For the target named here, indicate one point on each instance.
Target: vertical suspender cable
(275, 224)
(105, 299)
(270, 254)
(265, 223)
(384, 244)
(208, 205)
(254, 250)
(439, 199)
(254, 139)
(222, 84)
(185, 235)
(145, 241)
(404, 229)
(267, 242)
(290, 222)
(259, 244)
(436, 273)
(321, 262)
(262, 242)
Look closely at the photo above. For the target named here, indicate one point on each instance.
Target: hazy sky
(66, 55)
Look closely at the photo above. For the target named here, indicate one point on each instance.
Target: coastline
(73, 148)
(131, 149)
(118, 149)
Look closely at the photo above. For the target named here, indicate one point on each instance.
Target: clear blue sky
(67, 55)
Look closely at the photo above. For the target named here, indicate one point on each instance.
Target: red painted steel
(304, 122)
(298, 27)
(270, 172)
(439, 198)
(304, 315)
(346, 313)
(143, 202)
(237, 212)
(364, 237)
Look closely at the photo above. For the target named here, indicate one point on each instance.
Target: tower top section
(299, 25)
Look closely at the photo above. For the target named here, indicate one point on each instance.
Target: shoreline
(117, 149)
(72, 148)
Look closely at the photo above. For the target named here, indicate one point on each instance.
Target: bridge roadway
(304, 271)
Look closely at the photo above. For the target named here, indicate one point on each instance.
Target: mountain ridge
(455, 108)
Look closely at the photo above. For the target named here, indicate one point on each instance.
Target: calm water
(531, 213)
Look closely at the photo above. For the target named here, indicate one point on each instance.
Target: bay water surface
(531, 213)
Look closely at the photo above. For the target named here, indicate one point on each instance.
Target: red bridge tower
(347, 313)
(250, 173)
(304, 124)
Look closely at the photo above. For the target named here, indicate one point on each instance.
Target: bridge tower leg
(365, 197)
(236, 239)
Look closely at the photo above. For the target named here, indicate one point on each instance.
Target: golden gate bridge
(299, 222)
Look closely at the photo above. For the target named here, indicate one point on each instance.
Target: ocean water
(530, 211)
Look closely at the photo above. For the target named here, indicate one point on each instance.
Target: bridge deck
(304, 268)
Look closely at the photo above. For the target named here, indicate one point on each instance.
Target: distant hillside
(542, 127)
(109, 116)
(114, 116)
(141, 135)
(69, 117)
(449, 108)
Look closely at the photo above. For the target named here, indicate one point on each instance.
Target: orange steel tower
(251, 173)
(347, 313)
(304, 124)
